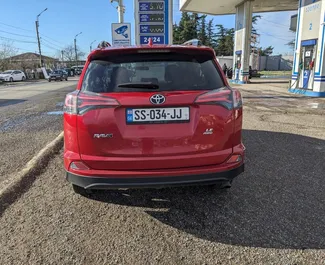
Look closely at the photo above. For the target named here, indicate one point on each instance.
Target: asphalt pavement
(273, 214)
(28, 121)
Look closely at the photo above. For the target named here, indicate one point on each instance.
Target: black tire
(11, 79)
(50, 80)
(23, 78)
(66, 79)
(81, 191)
(61, 79)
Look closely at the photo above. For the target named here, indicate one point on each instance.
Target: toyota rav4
(152, 116)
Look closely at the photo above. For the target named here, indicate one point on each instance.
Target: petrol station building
(308, 73)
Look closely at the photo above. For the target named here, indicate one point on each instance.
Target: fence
(261, 63)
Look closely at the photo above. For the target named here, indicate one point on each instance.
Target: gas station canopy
(226, 7)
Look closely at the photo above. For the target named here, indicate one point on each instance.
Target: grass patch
(281, 73)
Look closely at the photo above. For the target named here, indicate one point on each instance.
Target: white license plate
(158, 115)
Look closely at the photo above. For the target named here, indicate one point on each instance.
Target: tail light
(238, 101)
(230, 99)
(80, 103)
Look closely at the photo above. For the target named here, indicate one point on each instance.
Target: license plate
(158, 115)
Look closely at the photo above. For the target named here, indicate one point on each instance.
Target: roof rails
(193, 42)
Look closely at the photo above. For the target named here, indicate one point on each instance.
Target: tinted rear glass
(170, 71)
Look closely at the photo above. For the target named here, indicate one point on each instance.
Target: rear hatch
(154, 109)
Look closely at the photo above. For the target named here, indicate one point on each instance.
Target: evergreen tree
(202, 34)
(229, 42)
(176, 34)
(188, 27)
(255, 18)
(221, 40)
(211, 36)
(266, 52)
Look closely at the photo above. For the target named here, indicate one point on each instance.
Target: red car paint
(152, 150)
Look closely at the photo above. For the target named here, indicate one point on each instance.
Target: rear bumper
(89, 182)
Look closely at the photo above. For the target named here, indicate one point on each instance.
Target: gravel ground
(273, 214)
(25, 126)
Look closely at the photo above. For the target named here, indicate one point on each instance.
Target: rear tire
(23, 78)
(50, 80)
(11, 79)
(81, 191)
(66, 79)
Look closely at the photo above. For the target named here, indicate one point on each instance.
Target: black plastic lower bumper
(152, 182)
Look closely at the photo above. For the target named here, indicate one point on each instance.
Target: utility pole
(75, 47)
(120, 10)
(91, 47)
(38, 38)
(62, 57)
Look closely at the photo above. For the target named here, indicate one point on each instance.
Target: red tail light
(70, 103)
(224, 97)
(80, 103)
(238, 101)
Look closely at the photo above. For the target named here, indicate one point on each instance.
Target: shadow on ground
(278, 202)
(8, 102)
(270, 81)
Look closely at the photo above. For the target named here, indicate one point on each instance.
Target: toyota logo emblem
(157, 99)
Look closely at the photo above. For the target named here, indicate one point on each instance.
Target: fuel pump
(307, 63)
(237, 64)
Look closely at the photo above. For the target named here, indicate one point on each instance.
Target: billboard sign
(121, 34)
(153, 19)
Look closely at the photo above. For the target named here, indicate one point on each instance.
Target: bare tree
(69, 54)
(7, 50)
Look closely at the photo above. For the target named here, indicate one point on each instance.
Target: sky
(66, 18)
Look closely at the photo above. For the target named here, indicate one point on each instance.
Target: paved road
(274, 213)
(25, 126)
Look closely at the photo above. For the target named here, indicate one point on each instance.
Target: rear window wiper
(147, 85)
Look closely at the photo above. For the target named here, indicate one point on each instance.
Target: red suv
(152, 116)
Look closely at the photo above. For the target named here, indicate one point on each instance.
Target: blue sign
(306, 78)
(152, 21)
(151, 6)
(155, 39)
(121, 34)
(152, 29)
(145, 17)
(122, 30)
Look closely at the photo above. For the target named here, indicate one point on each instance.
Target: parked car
(12, 75)
(77, 69)
(58, 75)
(69, 71)
(152, 117)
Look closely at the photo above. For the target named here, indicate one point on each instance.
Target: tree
(266, 52)
(176, 34)
(70, 56)
(202, 34)
(292, 43)
(225, 41)
(7, 50)
(255, 18)
(229, 41)
(211, 36)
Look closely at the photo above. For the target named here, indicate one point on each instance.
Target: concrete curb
(18, 183)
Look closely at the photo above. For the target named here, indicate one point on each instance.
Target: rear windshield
(167, 71)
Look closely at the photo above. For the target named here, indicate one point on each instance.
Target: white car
(12, 75)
